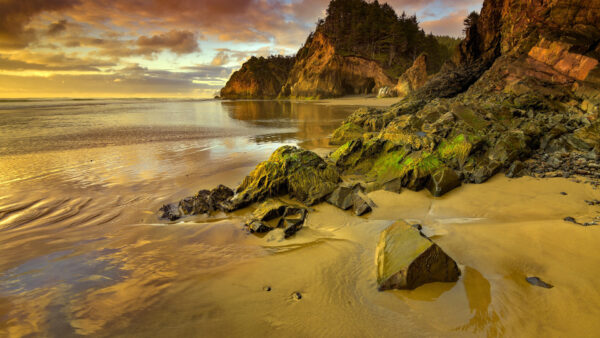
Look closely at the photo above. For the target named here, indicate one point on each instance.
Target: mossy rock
(406, 259)
(345, 133)
(301, 173)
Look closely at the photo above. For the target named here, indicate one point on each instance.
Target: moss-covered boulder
(301, 173)
(347, 132)
(406, 259)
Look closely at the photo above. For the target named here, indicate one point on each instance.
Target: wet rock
(219, 197)
(292, 220)
(361, 204)
(256, 226)
(201, 203)
(538, 282)
(347, 132)
(169, 211)
(406, 259)
(570, 219)
(394, 185)
(296, 295)
(301, 173)
(342, 197)
(515, 170)
(442, 181)
(269, 210)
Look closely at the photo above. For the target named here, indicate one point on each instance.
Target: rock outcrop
(259, 78)
(341, 57)
(300, 173)
(322, 72)
(406, 259)
(414, 78)
(522, 92)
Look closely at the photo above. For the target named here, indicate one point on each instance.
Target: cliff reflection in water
(313, 122)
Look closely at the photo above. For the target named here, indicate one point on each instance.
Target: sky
(162, 48)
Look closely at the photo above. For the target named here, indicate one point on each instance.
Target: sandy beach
(83, 252)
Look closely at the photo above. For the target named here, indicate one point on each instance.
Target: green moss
(347, 132)
(456, 149)
(335, 156)
(389, 165)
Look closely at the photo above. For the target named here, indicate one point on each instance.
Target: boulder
(204, 202)
(301, 173)
(341, 197)
(347, 132)
(442, 181)
(219, 196)
(414, 78)
(406, 259)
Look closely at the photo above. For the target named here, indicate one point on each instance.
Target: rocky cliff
(358, 48)
(258, 78)
(521, 95)
(321, 72)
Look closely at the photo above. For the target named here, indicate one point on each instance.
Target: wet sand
(82, 252)
(359, 100)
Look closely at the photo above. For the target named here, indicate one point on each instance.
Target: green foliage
(376, 32)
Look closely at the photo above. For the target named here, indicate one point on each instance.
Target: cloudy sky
(162, 48)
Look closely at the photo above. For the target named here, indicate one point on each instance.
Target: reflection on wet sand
(478, 291)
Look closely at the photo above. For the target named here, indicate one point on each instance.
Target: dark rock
(563, 193)
(394, 185)
(220, 196)
(516, 169)
(292, 220)
(267, 288)
(362, 204)
(538, 282)
(296, 295)
(442, 181)
(269, 209)
(570, 219)
(201, 203)
(256, 226)
(169, 211)
(342, 197)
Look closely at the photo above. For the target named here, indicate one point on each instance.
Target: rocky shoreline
(520, 97)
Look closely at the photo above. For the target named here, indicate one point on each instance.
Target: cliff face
(358, 48)
(321, 72)
(258, 78)
(414, 78)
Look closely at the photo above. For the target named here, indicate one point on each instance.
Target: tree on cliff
(376, 32)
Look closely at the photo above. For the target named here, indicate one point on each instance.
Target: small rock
(269, 209)
(258, 226)
(296, 295)
(362, 204)
(170, 212)
(563, 193)
(570, 219)
(267, 288)
(538, 282)
(292, 220)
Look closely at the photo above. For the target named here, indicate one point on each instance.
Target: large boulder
(301, 173)
(406, 259)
